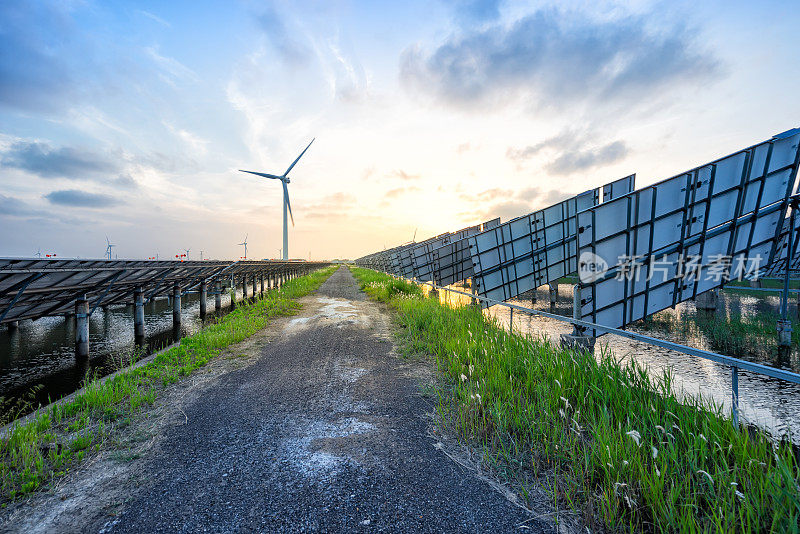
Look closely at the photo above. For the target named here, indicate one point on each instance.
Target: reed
(608, 440)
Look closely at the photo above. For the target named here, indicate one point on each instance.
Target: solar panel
(453, 263)
(422, 257)
(778, 265)
(667, 243)
(532, 250)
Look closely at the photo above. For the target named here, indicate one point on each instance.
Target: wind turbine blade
(298, 159)
(288, 204)
(265, 175)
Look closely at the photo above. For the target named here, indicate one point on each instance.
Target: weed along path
(313, 424)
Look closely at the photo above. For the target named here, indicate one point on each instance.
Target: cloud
(291, 51)
(574, 150)
(586, 159)
(470, 12)
(173, 67)
(12, 206)
(403, 175)
(80, 199)
(49, 162)
(394, 193)
(125, 181)
(154, 18)
(553, 58)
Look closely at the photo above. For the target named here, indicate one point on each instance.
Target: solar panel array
(671, 241)
(33, 288)
(535, 249)
(637, 251)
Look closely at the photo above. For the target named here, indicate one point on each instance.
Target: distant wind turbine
(108, 248)
(286, 206)
(38, 253)
(245, 245)
(187, 253)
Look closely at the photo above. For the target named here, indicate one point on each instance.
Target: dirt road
(325, 429)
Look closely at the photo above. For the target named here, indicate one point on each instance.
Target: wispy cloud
(574, 151)
(291, 50)
(403, 175)
(394, 193)
(154, 18)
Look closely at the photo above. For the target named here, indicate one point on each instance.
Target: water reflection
(37, 360)
(770, 403)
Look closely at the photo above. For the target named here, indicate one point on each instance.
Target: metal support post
(735, 395)
(176, 305)
(203, 297)
(217, 296)
(82, 328)
(138, 315)
(13, 326)
(553, 294)
(784, 326)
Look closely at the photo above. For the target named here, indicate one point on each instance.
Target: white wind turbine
(286, 206)
(245, 245)
(109, 246)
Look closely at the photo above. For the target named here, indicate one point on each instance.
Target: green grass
(56, 438)
(738, 335)
(606, 439)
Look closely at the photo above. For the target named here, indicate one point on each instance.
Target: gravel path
(328, 431)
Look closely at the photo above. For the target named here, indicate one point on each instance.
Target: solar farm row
(636, 251)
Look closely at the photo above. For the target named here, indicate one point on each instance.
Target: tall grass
(606, 439)
(55, 438)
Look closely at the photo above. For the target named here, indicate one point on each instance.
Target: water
(770, 403)
(38, 364)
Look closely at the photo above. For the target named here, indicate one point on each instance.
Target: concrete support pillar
(203, 297)
(553, 293)
(244, 288)
(233, 294)
(261, 283)
(217, 296)
(138, 315)
(707, 301)
(176, 305)
(13, 326)
(255, 282)
(755, 283)
(784, 329)
(82, 328)
(578, 339)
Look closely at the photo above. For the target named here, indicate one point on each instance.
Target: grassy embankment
(57, 437)
(606, 440)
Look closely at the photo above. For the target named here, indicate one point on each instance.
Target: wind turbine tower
(245, 245)
(286, 206)
(109, 246)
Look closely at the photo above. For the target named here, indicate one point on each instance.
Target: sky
(131, 119)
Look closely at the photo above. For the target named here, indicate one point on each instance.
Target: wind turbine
(38, 253)
(285, 181)
(245, 245)
(108, 248)
(187, 253)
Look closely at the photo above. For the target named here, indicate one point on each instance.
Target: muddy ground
(313, 424)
